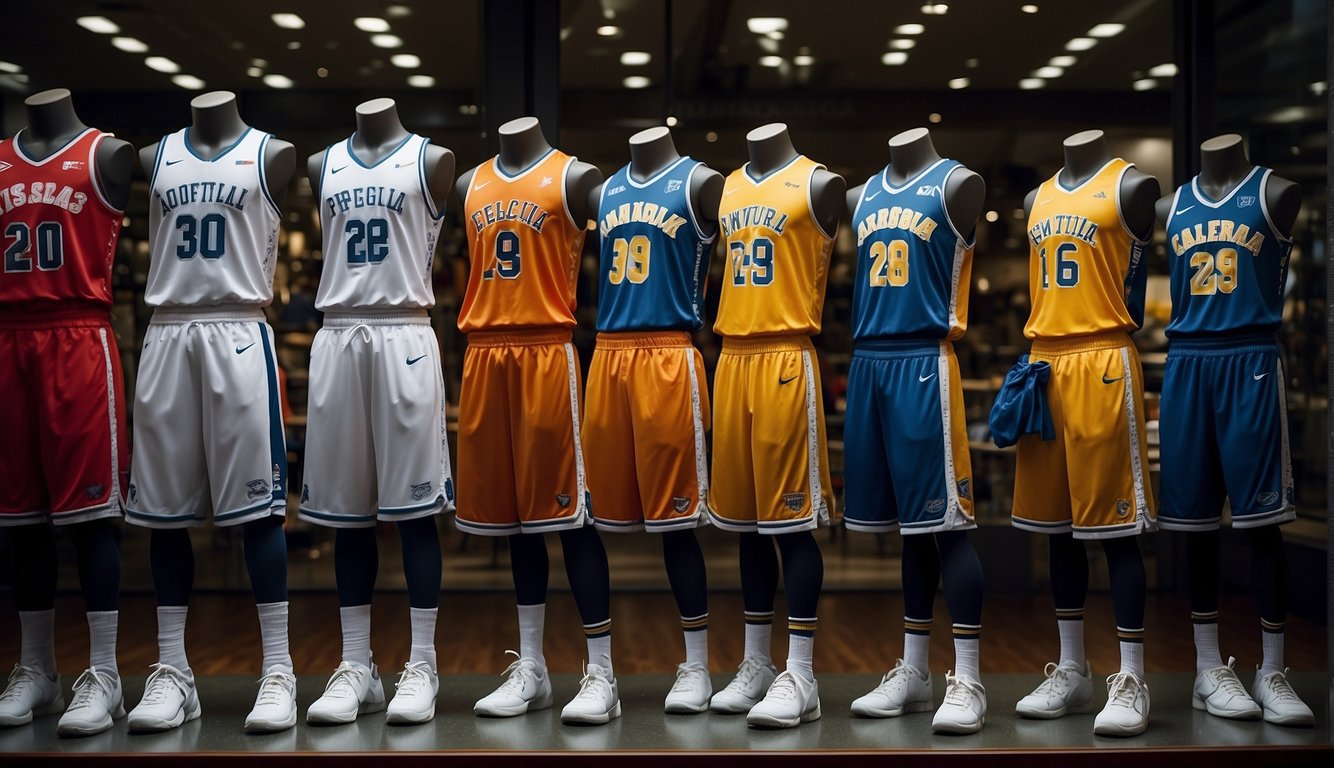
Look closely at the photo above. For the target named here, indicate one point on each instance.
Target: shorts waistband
(515, 338)
(399, 317)
(882, 349)
(643, 340)
(758, 345)
(63, 317)
(1201, 345)
(225, 314)
(1075, 344)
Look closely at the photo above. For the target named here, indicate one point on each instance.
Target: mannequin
(770, 148)
(521, 145)
(912, 152)
(1086, 153)
(652, 150)
(1223, 165)
(52, 123)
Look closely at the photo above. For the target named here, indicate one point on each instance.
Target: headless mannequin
(521, 145)
(378, 133)
(1223, 165)
(1085, 154)
(651, 151)
(912, 152)
(770, 148)
(52, 124)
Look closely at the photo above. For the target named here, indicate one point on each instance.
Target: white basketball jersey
(380, 229)
(213, 229)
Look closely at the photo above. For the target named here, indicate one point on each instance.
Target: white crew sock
(696, 634)
(356, 622)
(1271, 639)
(37, 644)
(423, 635)
(967, 644)
(1132, 651)
(102, 641)
(599, 653)
(917, 643)
(273, 636)
(171, 637)
(1070, 624)
(1205, 628)
(532, 619)
(759, 635)
(800, 652)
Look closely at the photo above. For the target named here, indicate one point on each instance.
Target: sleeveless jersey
(57, 231)
(913, 267)
(523, 246)
(1228, 262)
(1086, 269)
(654, 257)
(380, 229)
(212, 227)
(777, 253)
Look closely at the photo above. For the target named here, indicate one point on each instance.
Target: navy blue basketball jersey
(654, 255)
(913, 268)
(1228, 262)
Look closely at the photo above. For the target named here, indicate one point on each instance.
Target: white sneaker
(1281, 704)
(526, 688)
(97, 702)
(791, 700)
(29, 693)
(691, 691)
(752, 681)
(169, 699)
(903, 689)
(414, 695)
(1219, 692)
(964, 709)
(1127, 710)
(1067, 690)
(598, 700)
(275, 706)
(352, 690)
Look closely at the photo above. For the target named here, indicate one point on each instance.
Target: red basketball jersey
(57, 232)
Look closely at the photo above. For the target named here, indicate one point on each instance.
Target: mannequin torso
(52, 123)
(1085, 154)
(1224, 165)
(521, 145)
(911, 153)
(770, 148)
(651, 151)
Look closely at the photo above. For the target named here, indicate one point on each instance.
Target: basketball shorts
(1093, 478)
(521, 464)
(770, 460)
(377, 448)
(62, 433)
(1224, 429)
(208, 428)
(905, 440)
(644, 424)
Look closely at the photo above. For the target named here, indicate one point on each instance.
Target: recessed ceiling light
(1029, 8)
(1080, 44)
(609, 30)
(902, 44)
(1318, 88)
(99, 24)
(1164, 70)
(1048, 73)
(909, 29)
(397, 11)
(1107, 30)
(1062, 61)
(1031, 83)
(1146, 84)
(711, 136)
(636, 81)
(762, 25)
(259, 62)
(671, 121)
(959, 83)
(971, 63)
(288, 20)
(993, 216)
(386, 41)
(405, 60)
(188, 81)
(294, 45)
(10, 67)
(775, 35)
(934, 117)
(771, 61)
(322, 72)
(636, 58)
(254, 72)
(935, 9)
(130, 44)
(162, 64)
(370, 24)
(278, 81)
(894, 58)
(803, 60)
(421, 81)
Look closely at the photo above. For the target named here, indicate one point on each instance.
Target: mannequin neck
(1223, 163)
(1085, 154)
(378, 129)
(769, 150)
(650, 152)
(911, 153)
(215, 126)
(521, 144)
(54, 121)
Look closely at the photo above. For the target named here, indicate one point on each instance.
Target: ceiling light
(671, 121)
(1107, 30)
(1080, 44)
(99, 24)
(1062, 61)
(371, 24)
(609, 30)
(322, 72)
(771, 61)
(405, 60)
(1031, 83)
(763, 25)
(894, 58)
(902, 44)
(278, 81)
(935, 9)
(636, 58)
(636, 81)
(1146, 84)
(959, 83)
(10, 67)
(971, 63)
(803, 60)
(909, 29)
(294, 45)
(162, 64)
(934, 117)
(775, 35)
(288, 20)
(259, 62)
(188, 81)
(1030, 8)
(1048, 73)
(386, 41)
(1164, 70)
(993, 216)
(421, 81)
(711, 136)
(397, 11)
(1317, 88)
(130, 44)
(254, 72)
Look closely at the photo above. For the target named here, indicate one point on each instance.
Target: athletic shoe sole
(912, 707)
(1235, 714)
(768, 722)
(158, 725)
(84, 728)
(589, 718)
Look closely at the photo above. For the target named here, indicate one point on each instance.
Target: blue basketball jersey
(913, 268)
(1228, 262)
(654, 256)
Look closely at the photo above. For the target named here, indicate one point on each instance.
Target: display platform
(1178, 734)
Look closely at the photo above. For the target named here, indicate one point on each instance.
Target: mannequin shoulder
(314, 165)
(115, 157)
(854, 197)
(440, 161)
(1163, 207)
(148, 157)
(1139, 193)
(1283, 198)
(706, 192)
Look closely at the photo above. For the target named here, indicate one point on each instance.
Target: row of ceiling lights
(380, 36)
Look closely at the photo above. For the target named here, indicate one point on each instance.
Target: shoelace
(958, 690)
(275, 688)
(1278, 683)
(1123, 688)
(1227, 681)
(687, 677)
(592, 686)
(895, 678)
(414, 678)
(13, 689)
(784, 687)
(161, 683)
(89, 684)
(518, 674)
(344, 682)
(1056, 676)
(747, 672)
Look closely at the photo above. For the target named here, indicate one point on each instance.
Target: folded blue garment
(1021, 405)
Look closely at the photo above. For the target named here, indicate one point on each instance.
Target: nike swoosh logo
(483, 184)
(1183, 210)
(1106, 380)
(412, 360)
(869, 198)
(1259, 376)
(728, 192)
(782, 381)
(239, 350)
(405, 165)
(924, 379)
(336, 170)
(173, 162)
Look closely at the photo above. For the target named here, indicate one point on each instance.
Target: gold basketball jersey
(777, 253)
(1085, 272)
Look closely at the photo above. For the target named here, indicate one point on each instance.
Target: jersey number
(1214, 273)
(754, 266)
(206, 236)
(629, 260)
(508, 262)
(50, 247)
(1067, 269)
(889, 264)
(367, 241)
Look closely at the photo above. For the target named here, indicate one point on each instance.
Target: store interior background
(1000, 84)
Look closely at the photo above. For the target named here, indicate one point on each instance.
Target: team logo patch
(793, 185)
(563, 499)
(277, 479)
(934, 506)
(966, 488)
(72, 165)
(680, 503)
(1246, 201)
(1100, 195)
(673, 185)
(794, 501)
(1266, 498)
(245, 162)
(257, 488)
(1122, 507)
(449, 489)
(420, 490)
(305, 493)
(546, 182)
(134, 493)
(615, 190)
(94, 491)
(928, 190)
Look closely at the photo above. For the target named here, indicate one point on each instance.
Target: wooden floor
(860, 632)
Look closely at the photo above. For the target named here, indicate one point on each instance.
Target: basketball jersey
(58, 232)
(523, 246)
(913, 267)
(380, 229)
(654, 256)
(1086, 272)
(1228, 263)
(777, 253)
(212, 227)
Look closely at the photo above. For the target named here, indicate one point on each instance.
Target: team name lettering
(1218, 231)
(1078, 227)
(647, 213)
(754, 216)
(229, 195)
(388, 198)
(47, 192)
(512, 210)
(896, 218)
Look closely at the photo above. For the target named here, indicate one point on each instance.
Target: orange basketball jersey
(523, 247)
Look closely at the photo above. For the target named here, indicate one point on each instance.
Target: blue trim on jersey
(426, 188)
(352, 153)
(277, 443)
(495, 166)
(157, 163)
(758, 179)
(190, 147)
(18, 148)
(263, 182)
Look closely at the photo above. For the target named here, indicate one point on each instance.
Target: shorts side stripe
(277, 441)
(1280, 381)
(114, 497)
(701, 455)
(952, 506)
(581, 481)
(1136, 460)
(818, 510)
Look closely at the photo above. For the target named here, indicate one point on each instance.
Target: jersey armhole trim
(324, 164)
(1263, 194)
(810, 201)
(1120, 214)
(263, 177)
(157, 163)
(93, 176)
(690, 205)
(945, 208)
(565, 191)
(436, 214)
(602, 199)
(1171, 214)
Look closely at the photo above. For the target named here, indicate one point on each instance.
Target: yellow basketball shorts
(646, 414)
(770, 459)
(1093, 479)
(521, 465)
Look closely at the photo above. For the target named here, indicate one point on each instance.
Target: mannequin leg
(420, 541)
(1269, 581)
(803, 577)
(266, 562)
(921, 576)
(1125, 568)
(590, 581)
(356, 565)
(684, 561)
(99, 577)
(759, 586)
(1068, 566)
(530, 568)
(962, 572)
(173, 562)
(35, 576)
(1202, 566)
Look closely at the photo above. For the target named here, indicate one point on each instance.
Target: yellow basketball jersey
(777, 253)
(1085, 271)
(523, 247)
